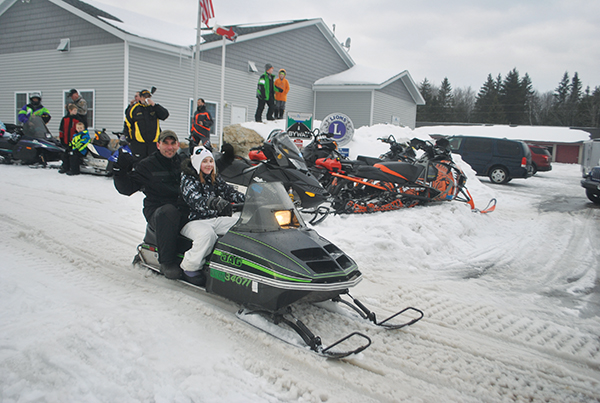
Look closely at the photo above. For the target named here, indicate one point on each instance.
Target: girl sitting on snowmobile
(209, 198)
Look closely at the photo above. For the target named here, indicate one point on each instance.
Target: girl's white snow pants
(203, 234)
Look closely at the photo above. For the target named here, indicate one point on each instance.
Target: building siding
(386, 106)
(397, 89)
(304, 53)
(68, 70)
(354, 104)
(40, 25)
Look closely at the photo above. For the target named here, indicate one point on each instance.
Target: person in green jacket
(265, 92)
(78, 148)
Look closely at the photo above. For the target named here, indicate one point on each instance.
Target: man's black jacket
(158, 178)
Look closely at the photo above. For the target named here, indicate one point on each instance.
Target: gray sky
(464, 40)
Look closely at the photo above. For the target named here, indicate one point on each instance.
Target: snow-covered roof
(144, 26)
(156, 33)
(362, 77)
(542, 134)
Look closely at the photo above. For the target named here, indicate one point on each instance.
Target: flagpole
(221, 106)
(197, 55)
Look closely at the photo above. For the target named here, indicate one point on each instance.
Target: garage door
(567, 153)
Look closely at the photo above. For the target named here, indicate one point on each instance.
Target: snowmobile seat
(409, 172)
(368, 160)
(183, 243)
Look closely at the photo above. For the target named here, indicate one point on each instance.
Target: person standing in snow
(34, 107)
(158, 177)
(283, 85)
(66, 130)
(143, 125)
(78, 148)
(201, 124)
(209, 198)
(81, 104)
(265, 92)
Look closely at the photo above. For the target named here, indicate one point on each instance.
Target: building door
(238, 114)
(567, 153)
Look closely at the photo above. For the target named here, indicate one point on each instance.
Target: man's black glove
(124, 162)
(222, 206)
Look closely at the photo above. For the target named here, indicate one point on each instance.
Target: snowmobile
(278, 159)
(100, 158)
(395, 180)
(30, 144)
(270, 260)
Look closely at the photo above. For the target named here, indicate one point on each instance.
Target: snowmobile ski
(388, 323)
(310, 340)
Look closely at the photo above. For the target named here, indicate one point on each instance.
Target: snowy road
(512, 304)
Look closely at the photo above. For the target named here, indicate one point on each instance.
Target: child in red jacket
(66, 130)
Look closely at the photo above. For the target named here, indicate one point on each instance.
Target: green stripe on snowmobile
(270, 247)
(262, 268)
(348, 270)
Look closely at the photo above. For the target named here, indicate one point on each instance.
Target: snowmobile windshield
(286, 152)
(267, 208)
(36, 128)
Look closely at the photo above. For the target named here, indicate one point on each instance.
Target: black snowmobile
(278, 159)
(270, 260)
(31, 143)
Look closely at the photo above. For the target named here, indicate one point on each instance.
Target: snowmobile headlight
(283, 217)
(286, 219)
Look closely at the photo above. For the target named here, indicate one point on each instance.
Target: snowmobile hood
(288, 259)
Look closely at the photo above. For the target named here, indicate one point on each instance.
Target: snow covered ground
(511, 301)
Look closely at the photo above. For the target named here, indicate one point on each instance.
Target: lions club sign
(340, 126)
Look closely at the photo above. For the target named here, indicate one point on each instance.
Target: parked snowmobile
(29, 144)
(277, 160)
(401, 180)
(270, 260)
(100, 158)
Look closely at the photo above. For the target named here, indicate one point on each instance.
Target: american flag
(207, 10)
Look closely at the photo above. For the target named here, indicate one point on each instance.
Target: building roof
(161, 35)
(364, 78)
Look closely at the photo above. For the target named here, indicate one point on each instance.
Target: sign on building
(299, 125)
(340, 126)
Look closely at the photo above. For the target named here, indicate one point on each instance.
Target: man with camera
(143, 125)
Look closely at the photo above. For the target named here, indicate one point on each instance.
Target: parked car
(540, 158)
(499, 159)
(591, 183)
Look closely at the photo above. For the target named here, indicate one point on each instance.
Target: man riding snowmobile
(34, 107)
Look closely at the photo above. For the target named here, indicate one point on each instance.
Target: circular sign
(340, 126)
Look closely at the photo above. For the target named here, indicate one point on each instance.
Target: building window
(90, 98)
(22, 99)
(211, 107)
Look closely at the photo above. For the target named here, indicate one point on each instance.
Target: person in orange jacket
(201, 124)
(281, 97)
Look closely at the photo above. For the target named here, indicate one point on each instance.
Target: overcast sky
(464, 40)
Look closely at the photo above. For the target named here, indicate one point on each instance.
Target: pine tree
(560, 108)
(573, 101)
(512, 97)
(487, 106)
(424, 112)
(445, 102)
(529, 98)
